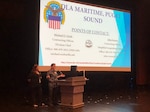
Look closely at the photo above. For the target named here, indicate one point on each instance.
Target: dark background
(19, 45)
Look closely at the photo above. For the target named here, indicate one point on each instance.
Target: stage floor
(125, 100)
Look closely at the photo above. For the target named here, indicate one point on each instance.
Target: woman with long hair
(35, 84)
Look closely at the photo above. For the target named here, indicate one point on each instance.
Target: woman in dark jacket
(35, 84)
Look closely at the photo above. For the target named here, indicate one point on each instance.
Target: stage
(122, 100)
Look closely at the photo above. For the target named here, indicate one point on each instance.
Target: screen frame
(111, 69)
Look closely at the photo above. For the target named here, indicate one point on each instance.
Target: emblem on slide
(88, 43)
(54, 14)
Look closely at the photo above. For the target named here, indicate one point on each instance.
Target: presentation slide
(92, 37)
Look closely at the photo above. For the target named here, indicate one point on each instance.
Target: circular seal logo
(88, 43)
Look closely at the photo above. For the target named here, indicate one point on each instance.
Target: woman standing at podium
(52, 76)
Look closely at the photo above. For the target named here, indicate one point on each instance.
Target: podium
(72, 90)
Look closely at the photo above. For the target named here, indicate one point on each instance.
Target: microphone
(59, 72)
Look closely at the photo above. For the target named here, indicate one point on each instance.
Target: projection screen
(92, 37)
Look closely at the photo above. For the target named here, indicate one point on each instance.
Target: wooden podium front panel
(72, 100)
(72, 92)
(69, 99)
(77, 99)
(70, 83)
(72, 95)
(72, 89)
